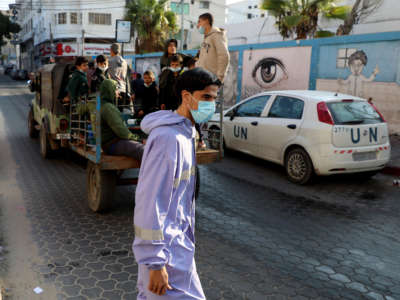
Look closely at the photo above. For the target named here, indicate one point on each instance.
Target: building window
(255, 6)
(249, 6)
(262, 15)
(342, 59)
(249, 16)
(205, 4)
(176, 8)
(75, 18)
(99, 19)
(62, 18)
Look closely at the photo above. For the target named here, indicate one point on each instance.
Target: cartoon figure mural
(355, 81)
(148, 64)
(368, 70)
(275, 69)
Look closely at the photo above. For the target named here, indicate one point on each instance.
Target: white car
(307, 132)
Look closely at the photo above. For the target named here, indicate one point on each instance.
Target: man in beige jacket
(214, 54)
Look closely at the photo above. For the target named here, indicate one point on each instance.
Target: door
(281, 126)
(242, 126)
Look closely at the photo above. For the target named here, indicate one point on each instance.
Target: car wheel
(33, 133)
(299, 168)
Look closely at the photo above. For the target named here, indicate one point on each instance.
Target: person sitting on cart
(78, 85)
(146, 95)
(100, 74)
(116, 139)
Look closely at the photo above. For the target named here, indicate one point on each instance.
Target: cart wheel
(33, 133)
(100, 187)
(45, 149)
(196, 193)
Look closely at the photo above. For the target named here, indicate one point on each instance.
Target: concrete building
(63, 28)
(192, 10)
(8, 52)
(244, 11)
(261, 30)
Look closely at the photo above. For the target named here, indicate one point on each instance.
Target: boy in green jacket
(78, 85)
(116, 139)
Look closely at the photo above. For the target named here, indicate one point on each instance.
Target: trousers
(126, 148)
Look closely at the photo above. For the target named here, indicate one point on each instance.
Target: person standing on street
(118, 71)
(213, 54)
(164, 214)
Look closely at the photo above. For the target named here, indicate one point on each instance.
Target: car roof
(313, 95)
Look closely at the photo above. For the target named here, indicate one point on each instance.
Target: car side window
(253, 107)
(286, 108)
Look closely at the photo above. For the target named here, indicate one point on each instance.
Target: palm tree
(152, 23)
(299, 18)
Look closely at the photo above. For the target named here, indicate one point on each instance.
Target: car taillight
(379, 113)
(63, 125)
(324, 115)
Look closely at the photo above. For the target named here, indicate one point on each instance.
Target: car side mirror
(232, 114)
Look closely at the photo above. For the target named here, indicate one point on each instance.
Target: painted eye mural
(269, 72)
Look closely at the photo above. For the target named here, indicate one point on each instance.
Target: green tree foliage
(6, 28)
(299, 18)
(152, 23)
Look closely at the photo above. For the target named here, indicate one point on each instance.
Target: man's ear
(185, 97)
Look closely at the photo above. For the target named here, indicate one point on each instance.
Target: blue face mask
(174, 69)
(202, 30)
(204, 112)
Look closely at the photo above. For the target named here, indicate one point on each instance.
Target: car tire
(32, 131)
(298, 165)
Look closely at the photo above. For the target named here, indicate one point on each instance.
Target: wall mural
(366, 70)
(275, 69)
(148, 63)
(229, 90)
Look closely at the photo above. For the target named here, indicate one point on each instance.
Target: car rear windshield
(353, 112)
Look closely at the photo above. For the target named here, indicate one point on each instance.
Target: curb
(391, 170)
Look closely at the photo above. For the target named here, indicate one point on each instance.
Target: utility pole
(182, 30)
(83, 42)
(51, 42)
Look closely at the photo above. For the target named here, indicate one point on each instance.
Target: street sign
(123, 31)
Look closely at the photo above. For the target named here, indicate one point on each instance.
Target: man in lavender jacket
(164, 243)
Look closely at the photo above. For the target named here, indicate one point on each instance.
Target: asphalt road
(257, 236)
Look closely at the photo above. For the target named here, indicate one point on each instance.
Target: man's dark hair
(101, 58)
(191, 62)
(208, 17)
(167, 45)
(80, 60)
(175, 58)
(91, 64)
(138, 75)
(193, 80)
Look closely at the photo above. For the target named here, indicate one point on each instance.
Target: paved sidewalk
(393, 167)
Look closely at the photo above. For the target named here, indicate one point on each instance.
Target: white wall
(386, 18)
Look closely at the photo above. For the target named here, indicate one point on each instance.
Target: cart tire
(45, 149)
(33, 133)
(100, 186)
(197, 190)
(213, 137)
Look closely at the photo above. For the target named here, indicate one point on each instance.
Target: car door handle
(292, 126)
(255, 123)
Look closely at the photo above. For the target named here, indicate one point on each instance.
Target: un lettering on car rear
(348, 136)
